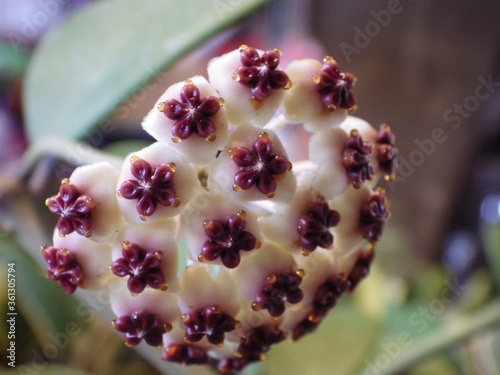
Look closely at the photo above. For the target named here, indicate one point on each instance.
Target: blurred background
(431, 70)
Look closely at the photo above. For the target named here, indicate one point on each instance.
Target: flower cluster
(261, 181)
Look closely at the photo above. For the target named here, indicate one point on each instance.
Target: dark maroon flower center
(387, 151)
(210, 321)
(278, 289)
(258, 166)
(152, 186)
(142, 325)
(141, 266)
(335, 86)
(356, 159)
(259, 72)
(185, 354)
(325, 299)
(361, 268)
(191, 114)
(373, 215)
(226, 238)
(314, 225)
(74, 210)
(253, 347)
(62, 267)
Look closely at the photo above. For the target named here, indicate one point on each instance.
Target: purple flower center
(253, 347)
(191, 114)
(356, 159)
(277, 290)
(373, 215)
(185, 354)
(314, 225)
(334, 86)
(226, 238)
(258, 166)
(74, 210)
(151, 187)
(63, 267)
(259, 72)
(387, 151)
(141, 266)
(361, 269)
(142, 325)
(210, 321)
(325, 299)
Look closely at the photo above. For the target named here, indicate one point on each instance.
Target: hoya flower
(191, 117)
(155, 183)
(146, 255)
(251, 82)
(321, 96)
(76, 261)
(253, 166)
(246, 221)
(86, 204)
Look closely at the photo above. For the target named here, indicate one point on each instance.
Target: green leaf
(490, 234)
(340, 346)
(84, 69)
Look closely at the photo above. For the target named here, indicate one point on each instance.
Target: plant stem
(449, 335)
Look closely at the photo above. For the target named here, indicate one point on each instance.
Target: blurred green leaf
(13, 61)
(84, 69)
(439, 365)
(490, 234)
(340, 346)
(123, 148)
(48, 370)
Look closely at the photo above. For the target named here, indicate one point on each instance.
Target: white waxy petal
(196, 149)
(222, 172)
(302, 103)
(347, 234)
(240, 107)
(93, 258)
(98, 181)
(199, 289)
(162, 304)
(185, 181)
(251, 274)
(326, 150)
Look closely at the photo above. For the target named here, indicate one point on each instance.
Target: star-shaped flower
(63, 267)
(210, 321)
(314, 225)
(259, 72)
(387, 151)
(277, 290)
(374, 213)
(334, 86)
(356, 159)
(185, 354)
(226, 239)
(142, 325)
(74, 210)
(141, 266)
(258, 166)
(192, 113)
(151, 187)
